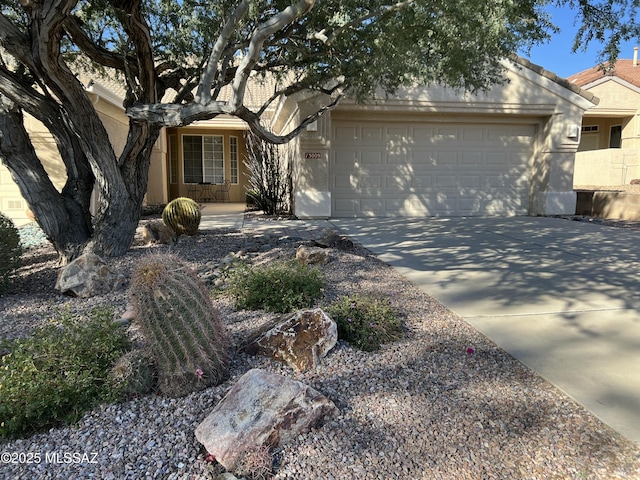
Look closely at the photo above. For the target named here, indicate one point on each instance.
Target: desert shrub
(270, 170)
(187, 339)
(365, 321)
(279, 287)
(60, 372)
(10, 252)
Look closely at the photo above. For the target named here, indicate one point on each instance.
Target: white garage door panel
(424, 169)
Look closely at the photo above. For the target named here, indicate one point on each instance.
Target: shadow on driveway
(560, 296)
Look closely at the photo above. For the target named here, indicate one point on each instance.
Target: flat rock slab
(262, 408)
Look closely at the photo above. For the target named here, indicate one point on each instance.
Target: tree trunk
(119, 212)
(60, 214)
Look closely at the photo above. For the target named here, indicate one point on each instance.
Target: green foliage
(187, 339)
(365, 321)
(10, 252)
(182, 215)
(278, 287)
(59, 373)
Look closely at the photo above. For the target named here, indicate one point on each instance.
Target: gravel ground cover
(442, 403)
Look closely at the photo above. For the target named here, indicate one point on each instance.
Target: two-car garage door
(430, 169)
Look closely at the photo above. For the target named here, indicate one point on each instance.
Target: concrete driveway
(563, 297)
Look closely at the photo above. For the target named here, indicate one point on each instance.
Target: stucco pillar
(552, 173)
(312, 189)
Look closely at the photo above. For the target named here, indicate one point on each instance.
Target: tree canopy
(176, 57)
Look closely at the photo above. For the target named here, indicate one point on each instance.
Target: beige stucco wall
(596, 164)
(527, 96)
(312, 198)
(157, 187)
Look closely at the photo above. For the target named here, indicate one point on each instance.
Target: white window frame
(173, 158)
(210, 172)
(234, 160)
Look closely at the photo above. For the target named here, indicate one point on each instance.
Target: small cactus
(175, 314)
(133, 373)
(182, 215)
(255, 463)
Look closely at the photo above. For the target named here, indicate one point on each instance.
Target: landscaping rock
(312, 255)
(299, 339)
(262, 409)
(329, 238)
(87, 276)
(158, 232)
(326, 238)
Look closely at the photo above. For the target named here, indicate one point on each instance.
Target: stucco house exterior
(609, 150)
(422, 152)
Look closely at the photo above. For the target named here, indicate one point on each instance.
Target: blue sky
(556, 56)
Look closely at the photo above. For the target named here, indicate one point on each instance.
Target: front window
(233, 160)
(203, 158)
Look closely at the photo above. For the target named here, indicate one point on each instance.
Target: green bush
(10, 252)
(365, 321)
(279, 287)
(59, 373)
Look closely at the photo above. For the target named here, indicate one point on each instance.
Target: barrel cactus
(182, 215)
(175, 314)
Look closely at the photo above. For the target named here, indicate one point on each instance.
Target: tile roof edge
(563, 82)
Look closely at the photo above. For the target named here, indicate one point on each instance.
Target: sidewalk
(232, 216)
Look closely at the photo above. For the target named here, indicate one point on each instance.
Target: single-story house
(609, 150)
(426, 151)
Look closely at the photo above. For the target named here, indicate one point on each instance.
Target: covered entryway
(413, 169)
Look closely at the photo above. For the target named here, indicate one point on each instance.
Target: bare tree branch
(253, 120)
(101, 56)
(262, 32)
(203, 95)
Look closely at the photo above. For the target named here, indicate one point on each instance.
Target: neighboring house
(422, 152)
(609, 150)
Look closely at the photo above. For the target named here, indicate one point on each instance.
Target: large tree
(188, 51)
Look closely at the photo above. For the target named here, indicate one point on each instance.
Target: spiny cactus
(255, 463)
(176, 316)
(182, 215)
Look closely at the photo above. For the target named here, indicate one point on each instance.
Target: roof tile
(623, 69)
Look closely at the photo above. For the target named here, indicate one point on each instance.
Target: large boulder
(262, 409)
(299, 339)
(87, 276)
